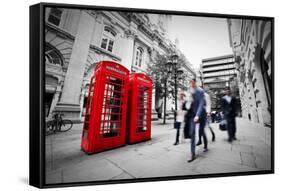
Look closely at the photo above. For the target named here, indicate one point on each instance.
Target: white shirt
(208, 102)
(227, 98)
(181, 113)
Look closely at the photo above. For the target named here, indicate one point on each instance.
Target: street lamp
(172, 68)
(177, 72)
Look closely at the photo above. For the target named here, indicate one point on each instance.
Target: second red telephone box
(139, 108)
(105, 117)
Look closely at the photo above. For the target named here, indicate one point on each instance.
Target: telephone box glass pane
(112, 107)
(142, 108)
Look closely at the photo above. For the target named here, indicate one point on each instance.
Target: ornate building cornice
(144, 27)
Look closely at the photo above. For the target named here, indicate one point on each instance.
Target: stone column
(70, 102)
(128, 49)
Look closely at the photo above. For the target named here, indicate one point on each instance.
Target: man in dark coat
(229, 113)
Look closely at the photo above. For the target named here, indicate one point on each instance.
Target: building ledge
(98, 49)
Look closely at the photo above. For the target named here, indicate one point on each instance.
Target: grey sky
(200, 37)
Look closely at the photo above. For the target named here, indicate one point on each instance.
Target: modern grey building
(216, 74)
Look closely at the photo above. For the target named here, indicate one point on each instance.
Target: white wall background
(14, 79)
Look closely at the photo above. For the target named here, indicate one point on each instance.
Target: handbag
(223, 125)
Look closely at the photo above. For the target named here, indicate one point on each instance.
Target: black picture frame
(37, 172)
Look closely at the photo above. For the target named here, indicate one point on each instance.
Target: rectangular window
(110, 45)
(104, 43)
(140, 60)
(137, 58)
(55, 16)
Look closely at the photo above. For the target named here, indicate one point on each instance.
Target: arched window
(108, 38)
(52, 56)
(139, 57)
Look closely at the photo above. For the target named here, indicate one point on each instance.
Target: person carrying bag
(187, 117)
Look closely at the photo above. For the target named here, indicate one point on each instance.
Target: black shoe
(205, 149)
(234, 138)
(229, 140)
(176, 143)
(199, 143)
(192, 158)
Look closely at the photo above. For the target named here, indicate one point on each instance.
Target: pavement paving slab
(158, 157)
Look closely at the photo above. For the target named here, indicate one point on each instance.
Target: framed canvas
(122, 95)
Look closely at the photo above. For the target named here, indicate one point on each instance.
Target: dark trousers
(207, 124)
(202, 132)
(177, 127)
(231, 127)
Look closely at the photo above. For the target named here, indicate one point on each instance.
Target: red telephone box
(139, 108)
(105, 117)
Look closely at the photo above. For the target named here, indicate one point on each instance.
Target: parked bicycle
(58, 124)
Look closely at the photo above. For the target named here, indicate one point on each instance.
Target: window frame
(139, 56)
(55, 16)
(108, 39)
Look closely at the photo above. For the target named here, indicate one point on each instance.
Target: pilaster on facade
(70, 102)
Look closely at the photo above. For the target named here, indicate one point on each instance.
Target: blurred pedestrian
(229, 113)
(199, 116)
(188, 115)
(180, 113)
(207, 105)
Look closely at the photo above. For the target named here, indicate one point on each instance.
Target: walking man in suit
(199, 116)
(229, 113)
(207, 106)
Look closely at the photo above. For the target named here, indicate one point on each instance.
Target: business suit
(197, 109)
(207, 106)
(229, 113)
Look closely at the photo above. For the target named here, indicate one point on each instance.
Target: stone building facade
(251, 41)
(75, 40)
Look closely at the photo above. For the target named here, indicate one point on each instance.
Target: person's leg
(192, 140)
(229, 129)
(200, 136)
(202, 127)
(209, 126)
(234, 128)
(213, 133)
(177, 125)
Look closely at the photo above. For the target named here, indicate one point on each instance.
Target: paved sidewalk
(65, 162)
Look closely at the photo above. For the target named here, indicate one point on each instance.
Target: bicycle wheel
(49, 127)
(66, 125)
